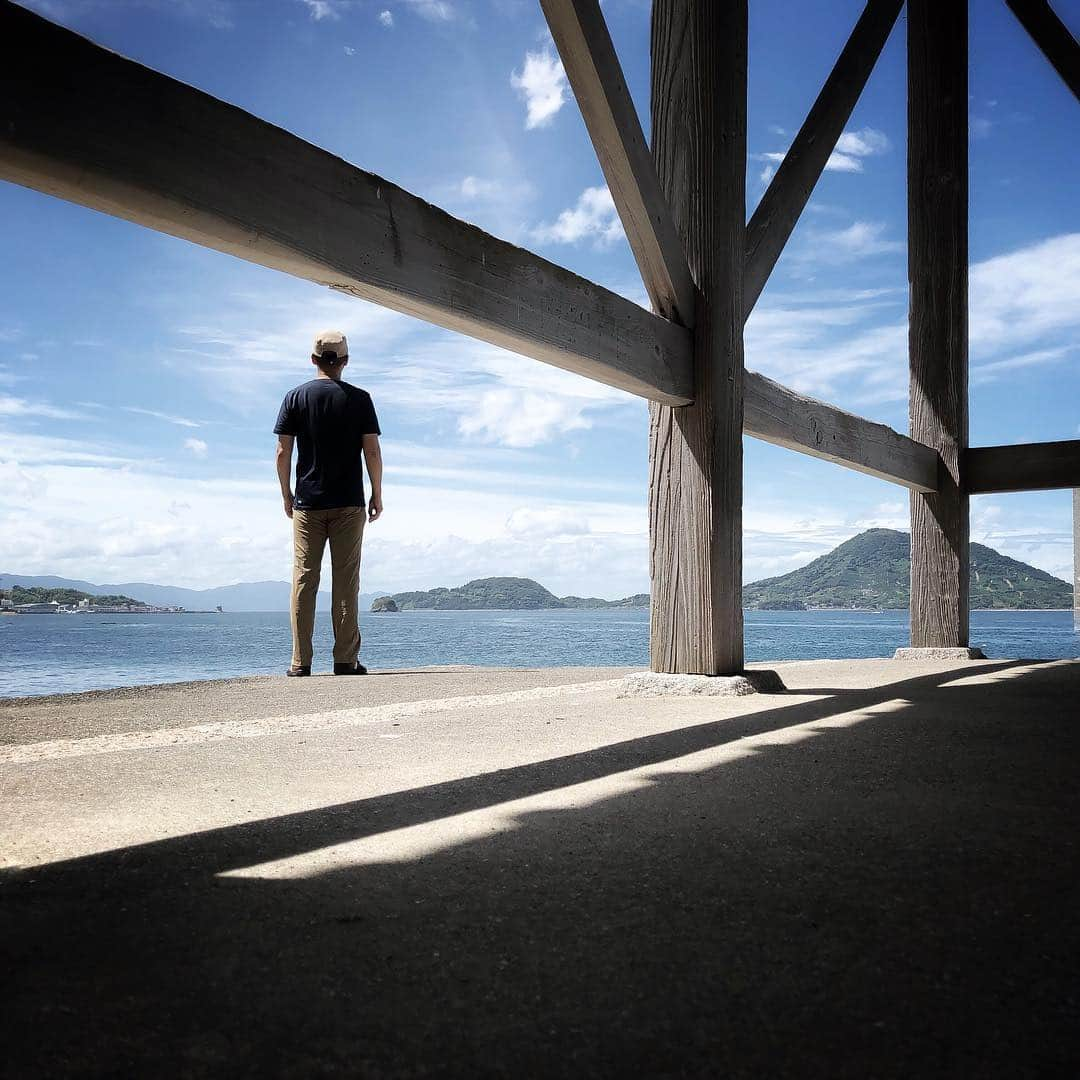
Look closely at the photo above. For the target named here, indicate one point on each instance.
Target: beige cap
(331, 341)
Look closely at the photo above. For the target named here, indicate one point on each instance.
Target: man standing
(333, 424)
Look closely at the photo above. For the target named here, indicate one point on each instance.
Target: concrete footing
(659, 684)
(939, 653)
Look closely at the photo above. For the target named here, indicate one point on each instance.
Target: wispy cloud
(433, 10)
(180, 421)
(1024, 312)
(386, 19)
(593, 217)
(216, 13)
(197, 447)
(989, 371)
(858, 241)
(851, 148)
(19, 407)
(542, 85)
(323, 9)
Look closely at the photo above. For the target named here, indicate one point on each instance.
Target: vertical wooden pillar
(1076, 556)
(938, 274)
(695, 453)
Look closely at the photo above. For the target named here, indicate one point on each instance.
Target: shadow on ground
(894, 897)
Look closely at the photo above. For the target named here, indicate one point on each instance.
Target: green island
(37, 599)
(510, 593)
(19, 594)
(870, 571)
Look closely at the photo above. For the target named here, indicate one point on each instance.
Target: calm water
(52, 654)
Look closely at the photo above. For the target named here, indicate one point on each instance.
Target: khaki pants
(344, 528)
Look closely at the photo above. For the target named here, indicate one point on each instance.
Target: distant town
(38, 601)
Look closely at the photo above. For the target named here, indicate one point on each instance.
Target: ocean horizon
(54, 654)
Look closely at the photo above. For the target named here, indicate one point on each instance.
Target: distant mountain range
(872, 570)
(246, 596)
(504, 593)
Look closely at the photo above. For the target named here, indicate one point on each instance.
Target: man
(332, 423)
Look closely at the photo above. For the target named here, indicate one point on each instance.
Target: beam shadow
(892, 898)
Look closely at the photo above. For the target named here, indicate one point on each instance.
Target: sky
(140, 375)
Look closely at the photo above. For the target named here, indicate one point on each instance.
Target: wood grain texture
(1027, 467)
(938, 340)
(1053, 37)
(97, 129)
(695, 453)
(781, 416)
(592, 66)
(782, 204)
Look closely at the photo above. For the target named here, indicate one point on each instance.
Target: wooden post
(695, 452)
(938, 275)
(1076, 556)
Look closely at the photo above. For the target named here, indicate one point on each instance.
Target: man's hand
(288, 504)
(374, 508)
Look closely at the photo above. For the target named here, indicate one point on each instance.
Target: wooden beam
(103, 131)
(1052, 36)
(592, 67)
(695, 454)
(780, 416)
(786, 198)
(938, 339)
(1029, 467)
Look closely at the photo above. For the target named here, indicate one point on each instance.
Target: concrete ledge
(940, 653)
(658, 684)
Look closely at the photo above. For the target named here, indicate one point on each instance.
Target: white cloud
(548, 522)
(472, 187)
(180, 421)
(988, 372)
(515, 417)
(386, 20)
(1024, 312)
(858, 241)
(433, 10)
(217, 13)
(1021, 298)
(543, 86)
(851, 148)
(18, 407)
(323, 9)
(197, 446)
(349, 50)
(593, 217)
(863, 143)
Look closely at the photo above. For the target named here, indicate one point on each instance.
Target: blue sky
(140, 375)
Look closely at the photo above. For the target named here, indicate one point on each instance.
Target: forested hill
(503, 592)
(872, 570)
(17, 594)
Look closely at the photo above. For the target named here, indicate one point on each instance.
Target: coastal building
(52, 607)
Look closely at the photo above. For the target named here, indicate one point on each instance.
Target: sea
(60, 654)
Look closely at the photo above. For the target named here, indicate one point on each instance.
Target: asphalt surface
(521, 873)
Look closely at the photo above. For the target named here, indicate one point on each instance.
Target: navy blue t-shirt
(329, 420)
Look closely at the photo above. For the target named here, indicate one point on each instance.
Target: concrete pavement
(472, 872)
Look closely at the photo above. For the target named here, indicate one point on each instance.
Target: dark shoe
(298, 672)
(350, 669)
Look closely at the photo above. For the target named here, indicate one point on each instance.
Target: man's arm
(283, 460)
(373, 460)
